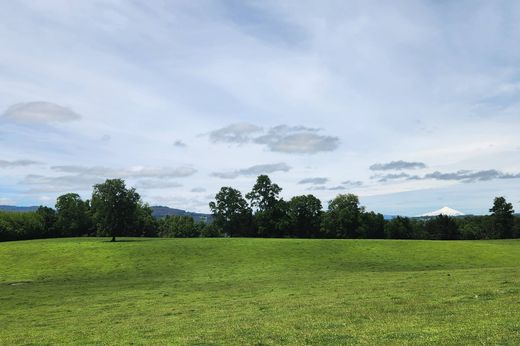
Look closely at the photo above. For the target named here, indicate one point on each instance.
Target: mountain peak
(443, 211)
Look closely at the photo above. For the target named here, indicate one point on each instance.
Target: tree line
(115, 210)
(263, 213)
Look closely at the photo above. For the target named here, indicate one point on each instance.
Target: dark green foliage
(145, 224)
(231, 212)
(343, 217)
(264, 194)
(503, 219)
(516, 228)
(209, 230)
(442, 227)
(178, 227)
(372, 226)
(304, 216)
(49, 218)
(272, 222)
(270, 216)
(399, 228)
(20, 226)
(115, 208)
(476, 227)
(72, 215)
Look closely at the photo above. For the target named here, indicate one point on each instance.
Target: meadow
(259, 291)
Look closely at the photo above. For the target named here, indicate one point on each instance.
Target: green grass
(259, 291)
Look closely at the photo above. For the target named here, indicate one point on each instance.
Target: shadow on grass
(125, 240)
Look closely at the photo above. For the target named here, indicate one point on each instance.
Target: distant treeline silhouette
(114, 210)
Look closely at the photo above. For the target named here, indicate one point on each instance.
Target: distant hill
(17, 209)
(159, 211)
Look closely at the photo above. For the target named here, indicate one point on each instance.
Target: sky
(411, 105)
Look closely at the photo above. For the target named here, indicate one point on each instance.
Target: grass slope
(259, 291)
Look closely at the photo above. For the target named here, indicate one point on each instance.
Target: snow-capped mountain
(443, 211)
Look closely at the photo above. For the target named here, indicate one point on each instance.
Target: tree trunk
(113, 238)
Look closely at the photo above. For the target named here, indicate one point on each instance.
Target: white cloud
(40, 112)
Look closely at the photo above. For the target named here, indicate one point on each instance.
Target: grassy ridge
(259, 291)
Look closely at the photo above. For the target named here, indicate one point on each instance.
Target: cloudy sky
(411, 105)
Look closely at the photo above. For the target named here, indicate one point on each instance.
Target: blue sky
(412, 105)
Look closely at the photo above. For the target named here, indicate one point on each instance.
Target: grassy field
(259, 291)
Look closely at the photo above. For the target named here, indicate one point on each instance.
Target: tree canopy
(114, 207)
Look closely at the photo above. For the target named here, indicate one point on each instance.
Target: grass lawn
(259, 291)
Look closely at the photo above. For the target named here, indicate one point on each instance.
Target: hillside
(162, 211)
(259, 291)
(157, 212)
(14, 208)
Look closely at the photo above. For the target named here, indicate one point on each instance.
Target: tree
(178, 227)
(264, 194)
(114, 207)
(49, 219)
(72, 215)
(342, 219)
(231, 212)
(372, 226)
(304, 216)
(399, 228)
(270, 215)
(145, 223)
(442, 227)
(503, 219)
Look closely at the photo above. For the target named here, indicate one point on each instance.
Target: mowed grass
(259, 292)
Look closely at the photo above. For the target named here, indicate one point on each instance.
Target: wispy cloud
(465, 176)
(327, 188)
(151, 184)
(352, 183)
(282, 138)
(314, 181)
(179, 144)
(65, 183)
(472, 176)
(254, 170)
(297, 140)
(17, 163)
(397, 166)
(394, 176)
(40, 112)
(132, 172)
(234, 133)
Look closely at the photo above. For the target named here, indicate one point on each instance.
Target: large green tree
(503, 218)
(72, 215)
(343, 217)
(115, 207)
(231, 213)
(264, 194)
(304, 215)
(270, 209)
(49, 218)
